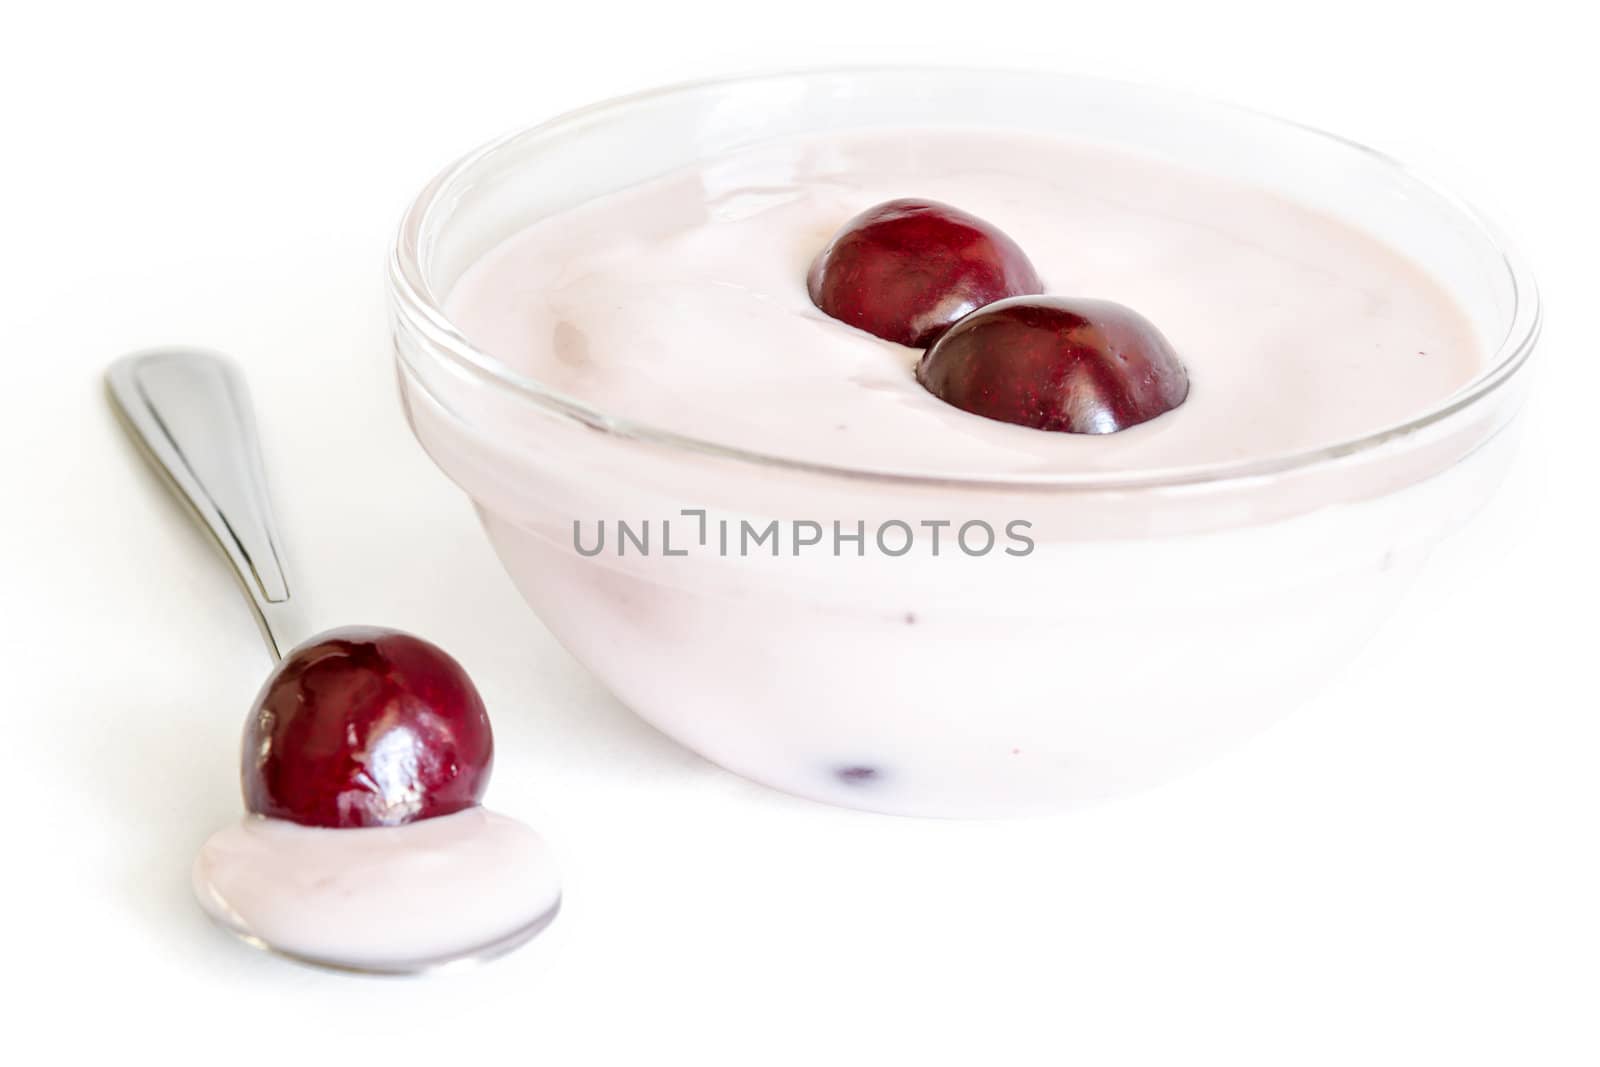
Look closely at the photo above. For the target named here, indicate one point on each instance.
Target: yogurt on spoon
(366, 753)
(398, 899)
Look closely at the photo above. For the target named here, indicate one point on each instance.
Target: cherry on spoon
(362, 727)
(365, 753)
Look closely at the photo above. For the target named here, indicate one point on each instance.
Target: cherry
(1077, 366)
(363, 726)
(907, 270)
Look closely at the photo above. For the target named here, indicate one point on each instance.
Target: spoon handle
(189, 412)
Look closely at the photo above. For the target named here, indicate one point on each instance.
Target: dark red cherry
(907, 270)
(363, 726)
(1076, 366)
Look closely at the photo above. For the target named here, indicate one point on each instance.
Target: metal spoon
(189, 412)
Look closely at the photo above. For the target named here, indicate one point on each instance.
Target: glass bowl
(1160, 615)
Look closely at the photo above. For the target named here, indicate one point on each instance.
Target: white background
(1405, 872)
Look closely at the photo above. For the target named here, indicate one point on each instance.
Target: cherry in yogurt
(1052, 363)
(908, 270)
(364, 726)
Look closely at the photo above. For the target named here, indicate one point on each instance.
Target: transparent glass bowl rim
(422, 309)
